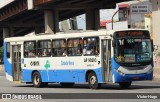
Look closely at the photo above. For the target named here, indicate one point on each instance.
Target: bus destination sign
(132, 34)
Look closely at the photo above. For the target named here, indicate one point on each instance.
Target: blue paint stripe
(128, 77)
(78, 76)
(132, 77)
(7, 64)
(115, 65)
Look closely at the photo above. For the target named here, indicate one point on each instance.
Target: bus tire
(93, 81)
(66, 84)
(36, 80)
(125, 85)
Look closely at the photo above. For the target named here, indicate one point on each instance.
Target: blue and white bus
(95, 57)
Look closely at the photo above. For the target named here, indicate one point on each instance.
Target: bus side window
(29, 49)
(25, 54)
(44, 48)
(8, 50)
(91, 46)
(39, 53)
(74, 47)
(31, 53)
(59, 48)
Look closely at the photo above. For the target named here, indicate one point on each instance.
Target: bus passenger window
(44, 48)
(64, 52)
(29, 49)
(8, 50)
(74, 47)
(59, 48)
(39, 53)
(79, 52)
(91, 46)
(25, 54)
(96, 51)
(32, 53)
(44, 53)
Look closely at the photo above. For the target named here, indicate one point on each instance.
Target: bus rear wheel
(93, 81)
(125, 85)
(37, 81)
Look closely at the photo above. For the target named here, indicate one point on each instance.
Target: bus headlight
(121, 73)
(150, 70)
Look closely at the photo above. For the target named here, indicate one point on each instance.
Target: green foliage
(1, 51)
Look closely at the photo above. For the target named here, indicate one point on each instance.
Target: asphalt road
(137, 87)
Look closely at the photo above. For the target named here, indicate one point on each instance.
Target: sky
(4, 2)
(105, 14)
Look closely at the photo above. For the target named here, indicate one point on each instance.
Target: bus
(93, 57)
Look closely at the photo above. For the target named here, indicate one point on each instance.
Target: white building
(156, 22)
(128, 18)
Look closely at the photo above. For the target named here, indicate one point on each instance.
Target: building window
(8, 50)
(29, 49)
(74, 47)
(123, 14)
(59, 48)
(44, 48)
(91, 46)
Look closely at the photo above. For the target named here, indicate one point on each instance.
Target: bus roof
(109, 32)
(62, 35)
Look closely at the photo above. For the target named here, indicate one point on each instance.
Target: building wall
(156, 22)
(156, 36)
(148, 23)
(136, 20)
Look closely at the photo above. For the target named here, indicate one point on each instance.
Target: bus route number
(90, 60)
(34, 63)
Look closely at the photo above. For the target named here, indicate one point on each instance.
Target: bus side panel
(68, 75)
(27, 75)
(7, 64)
(51, 75)
(78, 76)
(99, 74)
(57, 76)
(114, 66)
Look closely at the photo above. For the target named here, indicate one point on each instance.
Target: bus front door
(16, 59)
(106, 56)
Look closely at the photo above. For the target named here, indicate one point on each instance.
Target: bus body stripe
(7, 64)
(61, 75)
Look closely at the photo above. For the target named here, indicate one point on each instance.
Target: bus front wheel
(93, 81)
(125, 85)
(37, 81)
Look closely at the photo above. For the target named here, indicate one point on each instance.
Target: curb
(1, 68)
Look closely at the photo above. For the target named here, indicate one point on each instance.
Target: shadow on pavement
(103, 87)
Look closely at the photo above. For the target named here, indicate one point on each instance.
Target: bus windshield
(133, 50)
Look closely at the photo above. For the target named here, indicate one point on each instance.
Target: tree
(1, 51)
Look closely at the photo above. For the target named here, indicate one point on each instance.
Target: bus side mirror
(153, 46)
(113, 43)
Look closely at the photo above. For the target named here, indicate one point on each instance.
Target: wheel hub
(93, 80)
(36, 79)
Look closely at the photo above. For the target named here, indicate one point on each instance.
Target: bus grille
(136, 68)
